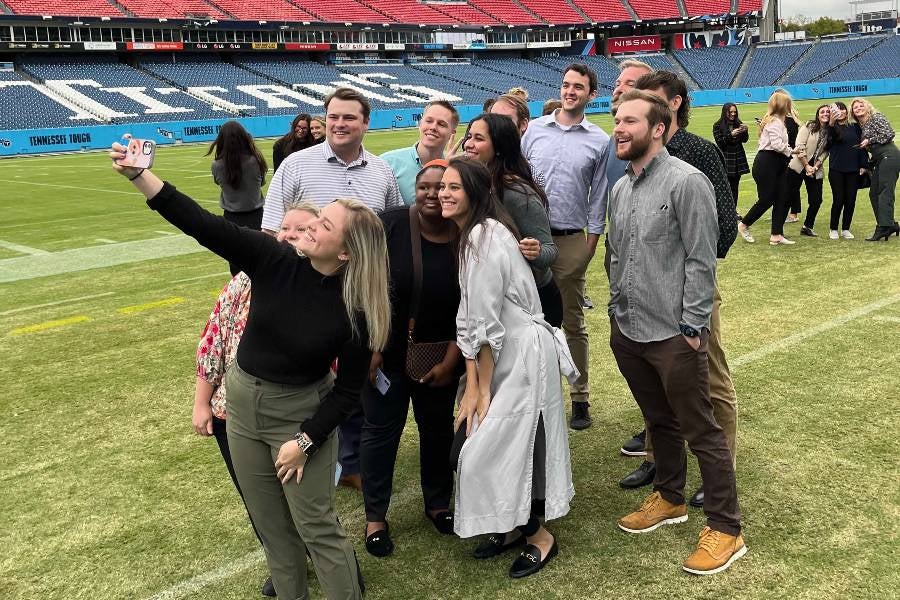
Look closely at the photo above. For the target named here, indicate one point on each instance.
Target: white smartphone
(138, 153)
(382, 383)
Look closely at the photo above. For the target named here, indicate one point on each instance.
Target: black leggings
(813, 195)
(843, 197)
(735, 182)
(551, 302)
(769, 169)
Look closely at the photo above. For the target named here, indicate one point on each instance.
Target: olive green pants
(291, 518)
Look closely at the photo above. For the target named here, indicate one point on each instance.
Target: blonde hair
(365, 285)
(520, 92)
(320, 119)
(304, 206)
(780, 106)
(631, 62)
(870, 110)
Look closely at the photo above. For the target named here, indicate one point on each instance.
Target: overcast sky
(836, 9)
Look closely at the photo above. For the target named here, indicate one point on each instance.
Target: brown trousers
(569, 273)
(670, 381)
(721, 387)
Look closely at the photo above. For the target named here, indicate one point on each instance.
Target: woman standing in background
(731, 134)
(297, 138)
(317, 129)
(878, 139)
(769, 169)
(846, 165)
(806, 166)
(239, 169)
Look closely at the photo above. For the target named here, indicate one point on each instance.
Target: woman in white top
(515, 456)
(769, 170)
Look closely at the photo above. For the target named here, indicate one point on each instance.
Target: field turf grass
(106, 493)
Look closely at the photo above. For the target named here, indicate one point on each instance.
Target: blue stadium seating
(607, 69)
(24, 107)
(101, 75)
(881, 61)
(712, 68)
(768, 63)
(827, 55)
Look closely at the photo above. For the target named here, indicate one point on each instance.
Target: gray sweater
(530, 216)
(247, 195)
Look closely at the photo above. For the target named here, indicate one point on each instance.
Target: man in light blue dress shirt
(437, 128)
(572, 153)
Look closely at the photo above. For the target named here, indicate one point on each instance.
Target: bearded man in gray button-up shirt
(662, 236)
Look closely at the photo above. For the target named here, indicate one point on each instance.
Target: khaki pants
(721, 387)
(291, 517)
(569, 273)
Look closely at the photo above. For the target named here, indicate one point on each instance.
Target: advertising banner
(357, 46)
(219, 46)
(708, 39)
(100, 46)
(634, 43)
(307, 47)
(157, 46)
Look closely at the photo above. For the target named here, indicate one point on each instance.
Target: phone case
(139, 154)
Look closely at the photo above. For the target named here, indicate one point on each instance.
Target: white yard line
(48, 222)
(22, 249)
(56, 303)
(802, 336)
(72, 187)
(105, 241)
(886, 319)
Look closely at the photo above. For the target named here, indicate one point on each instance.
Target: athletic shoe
(833, 234)
(635, 446)
(745, 233)
(653, 513)
(847, 235)
(715, 552)
(581, 416)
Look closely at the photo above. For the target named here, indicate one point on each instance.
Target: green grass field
(106, 493)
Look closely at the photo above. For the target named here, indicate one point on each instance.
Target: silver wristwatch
(305, 444)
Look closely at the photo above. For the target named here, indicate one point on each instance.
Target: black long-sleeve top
(842, 156)
(297, 323)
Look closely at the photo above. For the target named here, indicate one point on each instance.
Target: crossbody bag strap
(415, 238)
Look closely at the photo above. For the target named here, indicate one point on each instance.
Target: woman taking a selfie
(847, 165)
(513, 464)
(424, 300)
(329, 303)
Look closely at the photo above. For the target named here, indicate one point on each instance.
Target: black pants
(385, 418)
(551, 302)
(813, 195)
(843, 197)
(670, 381)
(886, 158)
(769, 170)
(222, 441)
(735, 182)
(250, 220)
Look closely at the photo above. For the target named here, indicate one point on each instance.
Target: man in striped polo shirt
(338, 168)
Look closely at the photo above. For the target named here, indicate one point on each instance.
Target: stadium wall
(73, 139)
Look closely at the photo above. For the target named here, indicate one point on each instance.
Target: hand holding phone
(139, 154)
(382, 383)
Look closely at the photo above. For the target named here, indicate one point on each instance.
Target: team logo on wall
(165, 133)
(5, 142)
(710, 39)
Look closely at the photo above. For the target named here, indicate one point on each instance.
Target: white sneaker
(846, 234)
(833, 234)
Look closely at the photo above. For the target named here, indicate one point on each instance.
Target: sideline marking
(887, 319)
(73, 187)
(49, 325)
(105, 241)
(128, 310)
(165, 232)
(57, 303)
(100, 216)
(257, 557)
(804, 335)
(222, 274)
(22, 249)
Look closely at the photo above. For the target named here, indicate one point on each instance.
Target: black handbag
(420, 357)
(863, 181)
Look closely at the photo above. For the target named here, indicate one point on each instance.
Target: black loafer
(640, 477)
(268, 588)
(808, 232)
(493, 545)
(697, 499)
(530, 561)
(443, 521)
(379, 543)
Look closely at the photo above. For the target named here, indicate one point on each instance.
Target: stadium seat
(607, 69)
(768, 63)
(410, 11)
(712, 68)
(274, 10)
(880, 61)
(506, 11)
(649, 10)
(349, 11)
(827, 55)
(466, 13)
(172, 9)
(603, 11)
(23, 106)
(696, 8)
(557, 12)
(746, 6)
(71, 8)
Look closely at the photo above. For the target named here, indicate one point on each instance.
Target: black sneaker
(268, 588)
(587, 302)
(581, 416)
(697, 499)
(640, 477)
(636, 445)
